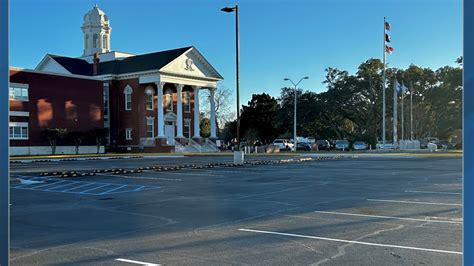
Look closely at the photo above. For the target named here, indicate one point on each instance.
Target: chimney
(95, 67)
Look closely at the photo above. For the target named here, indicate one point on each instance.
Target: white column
(196, 113)
(213, 113)
(159, 107)
(179, 112)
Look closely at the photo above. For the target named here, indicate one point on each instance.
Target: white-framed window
(150, 127)
(187, 128)
(95, 40)
(86, 41)
(104, 41)
(149, 98)
(187, 102)
(18, 130)
(128, 134)
(169, 100)
(128, 97)
(19, 92)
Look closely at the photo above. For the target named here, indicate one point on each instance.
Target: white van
(284, 144)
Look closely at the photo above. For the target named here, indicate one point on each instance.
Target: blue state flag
(399, 87)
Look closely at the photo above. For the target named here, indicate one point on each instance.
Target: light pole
(237, 62)
(294, 120)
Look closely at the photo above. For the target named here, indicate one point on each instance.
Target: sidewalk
(81, 157)
(109, 156)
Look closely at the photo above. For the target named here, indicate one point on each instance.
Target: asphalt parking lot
(347, 211)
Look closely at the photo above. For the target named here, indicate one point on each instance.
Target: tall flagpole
(411, 110)
(383, 85)
(395, 113)
(403, 120)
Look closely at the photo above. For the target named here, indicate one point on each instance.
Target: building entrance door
(169, 132)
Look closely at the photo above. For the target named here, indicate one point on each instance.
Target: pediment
(170, 116)
(192, 63)
(48, 64)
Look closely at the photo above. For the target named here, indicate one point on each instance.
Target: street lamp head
(286, 79)
(306, 78)
(228, 9)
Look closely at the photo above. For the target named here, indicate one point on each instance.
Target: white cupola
(96, 30)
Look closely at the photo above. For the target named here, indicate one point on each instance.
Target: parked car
(359, 145)
(458, 145)
(303, 146)
(284, 144)
(323, 144)
(424, 142)
(444, 144)
(388, 145)
(342, 145)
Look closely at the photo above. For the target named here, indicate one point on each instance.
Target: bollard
(238, 157)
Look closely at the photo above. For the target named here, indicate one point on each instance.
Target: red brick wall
(57, 101)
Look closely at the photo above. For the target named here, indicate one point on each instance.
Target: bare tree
(222, 97)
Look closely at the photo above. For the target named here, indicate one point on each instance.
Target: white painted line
(94, 188)
(417, 202)
(390, 217)
(117, 188)
(352, 242)
(191, 174)
(45, 185)
(142, 177)
(433, 192)
(70, 183)
(87, 184)
(138, 188)
(137, 262)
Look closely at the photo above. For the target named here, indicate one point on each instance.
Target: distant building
(149, 102)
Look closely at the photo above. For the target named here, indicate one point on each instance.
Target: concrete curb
(93, 158)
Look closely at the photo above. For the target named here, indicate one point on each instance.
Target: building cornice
(54, 73)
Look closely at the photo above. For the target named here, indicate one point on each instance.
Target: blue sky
(278, 38)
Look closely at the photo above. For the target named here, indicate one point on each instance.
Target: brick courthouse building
(149, 102)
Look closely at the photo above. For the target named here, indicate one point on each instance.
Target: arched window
(187, 102)
(95, 40)
(104, 42)
(149, 98)
(86, 41)
(128, 97)
(169, 99)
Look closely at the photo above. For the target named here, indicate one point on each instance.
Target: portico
(182, 102)
(178, 86)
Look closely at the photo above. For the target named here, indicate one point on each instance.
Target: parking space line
(417, 202)
(45, 185)
(94, 188)
(389, 217)
(85, 185)
(137, 262)
(142, 177)
(433, 192)
(70, 183)
(351, 241)
(139, 188)
(191, 174)
(114, 189)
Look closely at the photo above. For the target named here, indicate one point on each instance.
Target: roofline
(208, 63)
(111, 76)
(48, 56)
(54, 73)
(191, 48)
